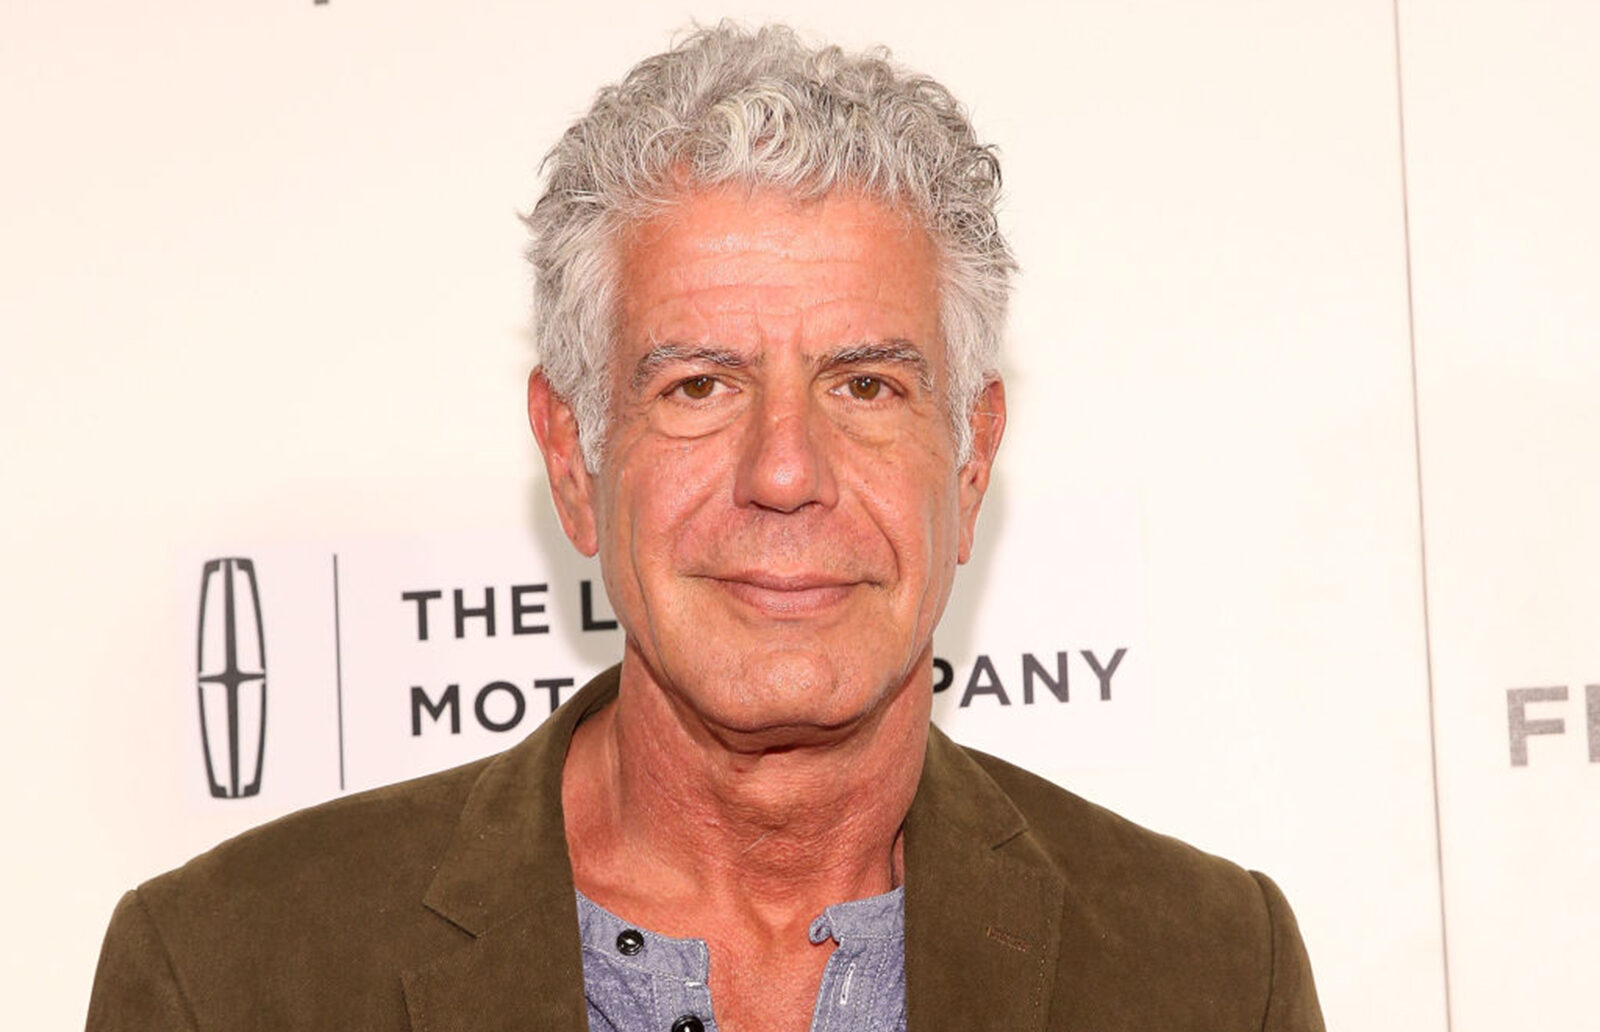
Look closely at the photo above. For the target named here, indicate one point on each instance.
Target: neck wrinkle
(778, 834)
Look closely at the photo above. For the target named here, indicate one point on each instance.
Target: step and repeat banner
(1292, 545)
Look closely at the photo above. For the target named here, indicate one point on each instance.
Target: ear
(555, 426)
(988, 421)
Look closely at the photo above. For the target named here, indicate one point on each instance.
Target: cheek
(915, 510)
(663, 494)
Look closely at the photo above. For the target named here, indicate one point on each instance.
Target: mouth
(791, 595)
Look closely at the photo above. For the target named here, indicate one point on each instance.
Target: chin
(796, 691)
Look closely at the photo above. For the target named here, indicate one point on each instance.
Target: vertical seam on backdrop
(1422, 523)
(338, 667)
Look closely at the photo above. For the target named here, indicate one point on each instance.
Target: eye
(698, 388)
(864, 388)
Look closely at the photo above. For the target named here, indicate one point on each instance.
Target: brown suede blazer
(446, 903)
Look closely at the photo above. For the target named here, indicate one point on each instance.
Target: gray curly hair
(728, 105)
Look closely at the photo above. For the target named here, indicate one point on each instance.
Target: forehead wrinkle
(668, 352)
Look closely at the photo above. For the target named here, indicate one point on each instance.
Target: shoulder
(303, 922)
(390, 842)
(331, 850)
(317, 919)
(1034, 819)
(1087, 841)
(1181, 932)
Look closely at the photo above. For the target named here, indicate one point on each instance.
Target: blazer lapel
(525, 975)
(506, 884)
(983, 912)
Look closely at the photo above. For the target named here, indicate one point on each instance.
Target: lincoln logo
(232, 677)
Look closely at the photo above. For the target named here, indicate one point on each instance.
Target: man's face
(778, 511)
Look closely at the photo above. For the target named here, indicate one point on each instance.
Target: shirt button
(629, 942)
(688, 1023)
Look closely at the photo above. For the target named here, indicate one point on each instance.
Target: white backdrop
(261, 296)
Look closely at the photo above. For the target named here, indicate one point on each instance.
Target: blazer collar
(506, 882)
(983, 905)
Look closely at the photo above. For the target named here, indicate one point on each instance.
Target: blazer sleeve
(1292, 999)
(135, 986)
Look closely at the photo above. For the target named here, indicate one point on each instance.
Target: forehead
(756, 264)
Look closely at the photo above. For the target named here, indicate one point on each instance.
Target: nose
(784, 464)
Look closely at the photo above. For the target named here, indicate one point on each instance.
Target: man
(770, 290)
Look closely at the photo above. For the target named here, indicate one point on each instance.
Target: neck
(661, 806)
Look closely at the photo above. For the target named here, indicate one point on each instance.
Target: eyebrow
(667, 353)
(887, 352)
